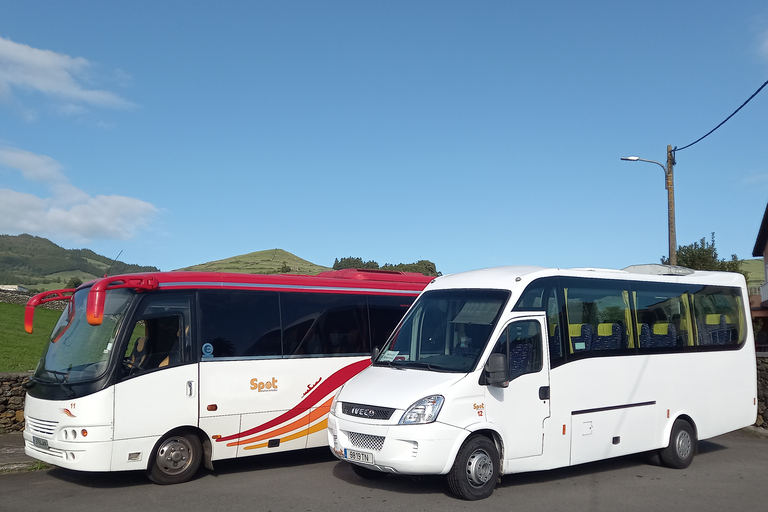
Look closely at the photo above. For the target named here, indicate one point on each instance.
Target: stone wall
(12, 398)
(12, 401)
(21, 298)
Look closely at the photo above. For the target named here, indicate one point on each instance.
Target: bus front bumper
(403, 449)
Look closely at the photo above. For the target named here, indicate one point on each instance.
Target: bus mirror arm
(496, 371)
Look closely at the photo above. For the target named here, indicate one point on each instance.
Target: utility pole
(670, 183)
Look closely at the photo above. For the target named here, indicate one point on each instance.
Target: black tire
(175, 458)
(367, 473)
(475, 471)
(682, 446)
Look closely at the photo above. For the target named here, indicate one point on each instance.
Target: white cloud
(69, 212)
(52, 74)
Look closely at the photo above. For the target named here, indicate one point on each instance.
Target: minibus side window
(521, 342)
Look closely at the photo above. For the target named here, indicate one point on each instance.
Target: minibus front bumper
(426, 449)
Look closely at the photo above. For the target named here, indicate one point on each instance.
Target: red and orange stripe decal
(332, 383)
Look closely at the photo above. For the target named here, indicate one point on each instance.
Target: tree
(703, 256)
(73, 282)
(352, 262)
(425, 267)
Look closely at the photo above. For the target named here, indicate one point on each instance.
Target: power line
(724, 121)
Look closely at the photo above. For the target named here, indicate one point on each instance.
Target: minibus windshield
(77, 351)
(445, 330)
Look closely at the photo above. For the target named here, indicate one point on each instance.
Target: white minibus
(164, 371)
(514, 369)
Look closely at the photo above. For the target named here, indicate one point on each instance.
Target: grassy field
(19, 351)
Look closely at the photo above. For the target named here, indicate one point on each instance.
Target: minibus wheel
(682, 446)
(476, 469)
(175, 458)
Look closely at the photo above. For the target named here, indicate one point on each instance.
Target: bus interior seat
(716, 330)
(663, 335)
(139, 352)
(520, 358)
(608, 337)
(581, 336)
(555, 347)
(644, 335)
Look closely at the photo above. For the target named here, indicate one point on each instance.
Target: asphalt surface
(13, 458)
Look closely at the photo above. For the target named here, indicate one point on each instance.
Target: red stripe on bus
(321, 391)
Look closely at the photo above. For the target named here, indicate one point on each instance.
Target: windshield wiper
(64, 382)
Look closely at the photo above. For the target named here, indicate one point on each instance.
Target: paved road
(729, 473)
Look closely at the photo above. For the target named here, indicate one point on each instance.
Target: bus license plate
(40, 443)
(358, 456)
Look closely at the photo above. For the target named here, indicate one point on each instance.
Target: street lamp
(670, 186)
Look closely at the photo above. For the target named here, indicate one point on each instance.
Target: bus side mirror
(374, 353)
(496, 371)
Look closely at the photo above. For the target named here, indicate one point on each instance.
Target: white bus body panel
(245, 405)
(149, 406)
(53, 431)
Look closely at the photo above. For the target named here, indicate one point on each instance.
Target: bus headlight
(335, 401)
(423, 411)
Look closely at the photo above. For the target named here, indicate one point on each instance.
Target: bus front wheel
(175, 458)
(682, 446)
(476, 469)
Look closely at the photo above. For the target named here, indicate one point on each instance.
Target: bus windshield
(77, 351)
(445, 330)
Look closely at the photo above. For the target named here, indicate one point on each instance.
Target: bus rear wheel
(682, 446)
(175, 458)
(476, 469)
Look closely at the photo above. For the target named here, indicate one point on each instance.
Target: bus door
(520, 409)
(157, 385)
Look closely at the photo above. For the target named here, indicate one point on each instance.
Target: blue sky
(471, 134)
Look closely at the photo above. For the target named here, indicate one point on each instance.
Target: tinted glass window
(663, 316)
(445, 330)
(160, 335)
(384, 313)
(237, 324)
(599, 315)
(319, 323)
(521, 343)
(718, 316)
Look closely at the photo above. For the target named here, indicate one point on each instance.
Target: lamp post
(670, 186)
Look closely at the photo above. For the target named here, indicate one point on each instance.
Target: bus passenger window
(522, 341)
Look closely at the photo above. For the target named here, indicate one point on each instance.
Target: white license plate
(358, 456)
(40, 443)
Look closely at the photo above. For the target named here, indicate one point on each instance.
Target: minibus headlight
(423, 411)
(335, 401)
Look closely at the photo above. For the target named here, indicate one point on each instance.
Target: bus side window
(524, 347)
(154, 343)
(239, 324)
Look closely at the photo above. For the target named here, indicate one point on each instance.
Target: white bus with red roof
(166, 371)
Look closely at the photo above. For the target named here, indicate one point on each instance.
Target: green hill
(38, 263)
(272, 261)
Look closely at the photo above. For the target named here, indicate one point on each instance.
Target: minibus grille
(365, 441)
(40, 427)
(370, 412)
